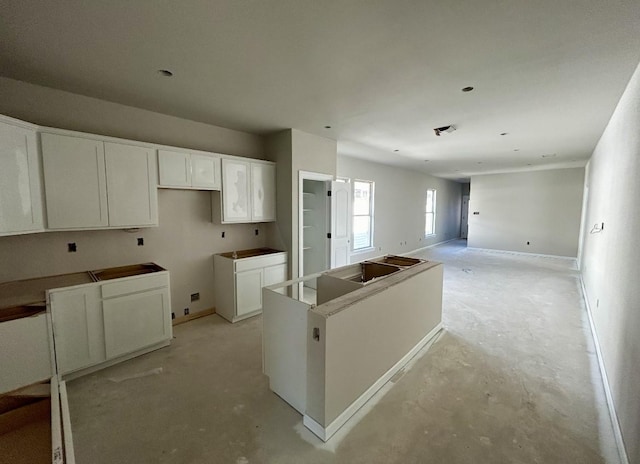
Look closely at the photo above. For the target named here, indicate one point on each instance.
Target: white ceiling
(381, 73)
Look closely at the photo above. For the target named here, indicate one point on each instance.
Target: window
(362, 214)
(430, 213)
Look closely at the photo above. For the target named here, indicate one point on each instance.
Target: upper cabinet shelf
(183, 170)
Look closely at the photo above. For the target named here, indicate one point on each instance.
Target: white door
(340, 223)
(235, 191)
(77, 328)
(248, 291)
(132, 187)
(136, 321)
(464, 220)
(205, 172)
(263, 192)
(275, 275)
(174, 169)
(20, 192)
(74, 182)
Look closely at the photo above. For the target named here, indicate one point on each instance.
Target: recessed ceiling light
(528, 164)
(426, 161)
(396, 151)
(516, 149)
(504, 133)
(327, 127)
(479, 162)
(550, 155)
(467, 89)
(165, 72)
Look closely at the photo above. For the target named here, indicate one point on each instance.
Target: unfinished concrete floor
(512, 379)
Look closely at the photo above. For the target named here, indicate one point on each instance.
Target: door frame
(302, 176)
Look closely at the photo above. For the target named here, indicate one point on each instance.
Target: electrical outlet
(173, 316)
(222, 234)
(140, 241)
(71, 247)
(186, 311)
(195, 296)
(257, 231)
(528, 243)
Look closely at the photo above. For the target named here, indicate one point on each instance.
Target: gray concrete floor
(512, 379)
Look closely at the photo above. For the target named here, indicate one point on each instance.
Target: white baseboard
(524, 253)
(324, 433)
(417, 250)
(617, 432)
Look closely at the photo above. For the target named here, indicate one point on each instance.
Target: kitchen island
(328, 359)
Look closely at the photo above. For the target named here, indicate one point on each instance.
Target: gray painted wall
(610, 259)
(186, 238)
(399, 204)
(539, 207)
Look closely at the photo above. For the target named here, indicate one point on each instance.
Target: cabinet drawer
(260, 262)
(135, 284)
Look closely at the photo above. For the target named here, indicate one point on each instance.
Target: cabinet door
(263, 192)
(77, 328)
(131, 185)
(205, 172)
(275, 275)
(174, 169)
(20, 192)
(235, 191)
(75, 183)
(248, 291)
(134, 322)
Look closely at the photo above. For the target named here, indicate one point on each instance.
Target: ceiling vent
(444, 129)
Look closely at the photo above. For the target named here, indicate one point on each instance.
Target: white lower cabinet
(77, 327)
(238, 281)
(135, 321)
(248, 292)
(109, 321)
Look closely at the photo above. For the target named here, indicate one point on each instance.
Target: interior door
(340, 223)
(464, 219)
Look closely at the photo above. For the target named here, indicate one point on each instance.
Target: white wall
(539, 207)
(611, 259)
(399, 204)
(186, 238)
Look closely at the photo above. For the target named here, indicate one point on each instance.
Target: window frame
(433, 212)
(371, 246)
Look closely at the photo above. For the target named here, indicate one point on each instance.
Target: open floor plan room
(512, 378)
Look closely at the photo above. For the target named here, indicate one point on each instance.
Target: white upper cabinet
(20, 181)
(188, 170)
(131, 185)
(236, 191)
(91, 184)
(75, 182)
(248, 191)
(174, 169)
(205, 172)
(263, 186)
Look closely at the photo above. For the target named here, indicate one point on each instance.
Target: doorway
(464, 218)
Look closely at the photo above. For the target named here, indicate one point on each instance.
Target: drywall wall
(65, 110)
(539, 207)
(399, 205)
(611, 258)
(186, 238)
(295, 151)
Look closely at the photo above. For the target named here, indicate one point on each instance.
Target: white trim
(325, 433)
(417, 250)
(617, 432)
(18, 122)
(69, 453)
(524, 253)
